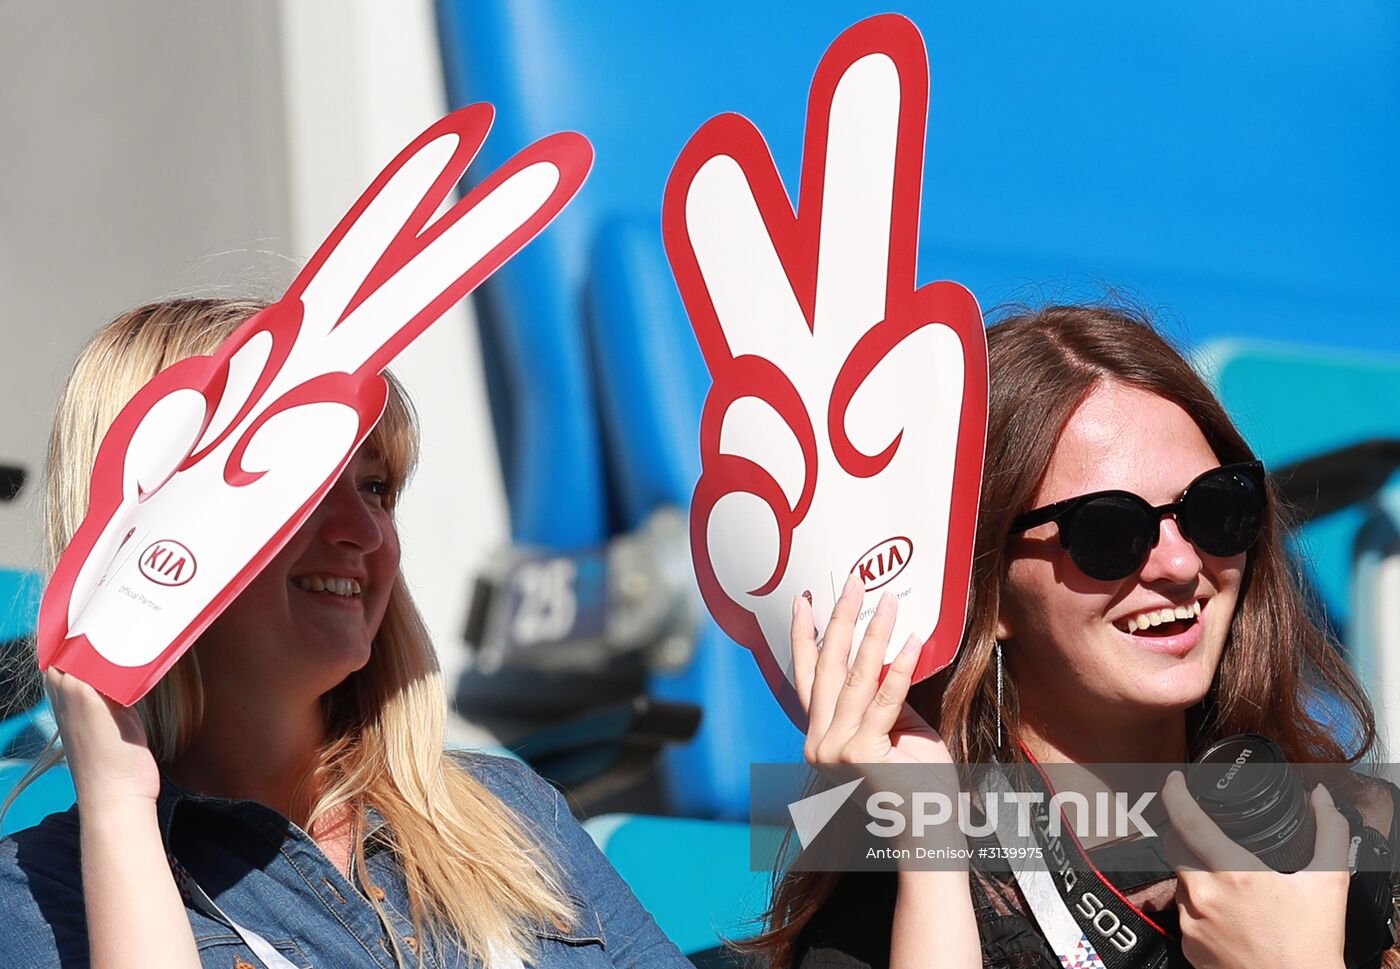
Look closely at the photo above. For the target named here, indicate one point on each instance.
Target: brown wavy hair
(1042, 364)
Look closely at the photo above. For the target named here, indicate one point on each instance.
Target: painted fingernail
(885, 606)
(1325, 796)
(852, 584)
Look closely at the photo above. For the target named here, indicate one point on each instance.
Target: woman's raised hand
(134, 912)
(104, 742)
(854, 716)
(1239, 915)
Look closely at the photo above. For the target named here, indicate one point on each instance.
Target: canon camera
(1259, 801)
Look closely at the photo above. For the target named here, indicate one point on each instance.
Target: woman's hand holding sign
(210, 468)
(853, 715)
(845, 425)
(104, 743)
(209, 471)
(123, 857)
(844, 428)
(856, 718)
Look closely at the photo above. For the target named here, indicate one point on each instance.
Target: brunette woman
(1119, 630)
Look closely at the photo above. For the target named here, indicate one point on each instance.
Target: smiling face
(310, 617)
(1107, 649)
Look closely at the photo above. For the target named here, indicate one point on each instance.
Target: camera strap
(1088, 922)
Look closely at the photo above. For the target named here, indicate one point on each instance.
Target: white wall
(141, 153)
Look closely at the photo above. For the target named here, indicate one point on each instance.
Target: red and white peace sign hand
(217, 461)
(845, 426)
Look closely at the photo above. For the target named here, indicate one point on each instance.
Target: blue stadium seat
(1294, 403)
(52, 791)
(702, 896)
(20, 591)
(25, 731)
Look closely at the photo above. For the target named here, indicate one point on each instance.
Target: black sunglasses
(1109, 534)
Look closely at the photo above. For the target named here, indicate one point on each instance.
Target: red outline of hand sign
(259, 431)
(779, 299)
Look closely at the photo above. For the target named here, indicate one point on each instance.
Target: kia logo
(167, 562)
(884, 561)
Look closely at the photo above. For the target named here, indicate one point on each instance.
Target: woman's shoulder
(41, 892)
(48, 851)
(607, 911)
(512, 781)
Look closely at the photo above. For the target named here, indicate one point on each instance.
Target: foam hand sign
(845, 426)
(217, 461)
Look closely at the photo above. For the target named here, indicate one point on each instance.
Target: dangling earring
(999, 693)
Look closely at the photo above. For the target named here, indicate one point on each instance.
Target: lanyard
(1086, 920)
(200, 899)
(501, 957)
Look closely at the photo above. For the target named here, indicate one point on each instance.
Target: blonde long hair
(470, 867)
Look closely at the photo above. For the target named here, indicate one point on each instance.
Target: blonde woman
(282, 797)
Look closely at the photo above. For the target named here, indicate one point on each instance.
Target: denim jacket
(265, 873)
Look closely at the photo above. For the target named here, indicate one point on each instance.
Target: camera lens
(1256, 798)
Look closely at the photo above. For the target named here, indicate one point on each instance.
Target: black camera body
(1248, 788)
